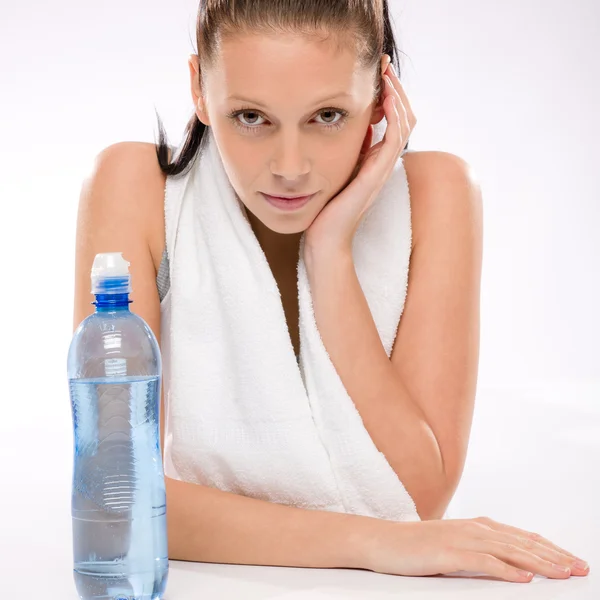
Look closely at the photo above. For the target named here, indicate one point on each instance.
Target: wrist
(363, 541)
(326, 256)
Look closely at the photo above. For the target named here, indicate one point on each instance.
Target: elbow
(433, 504)
(432, 513)
(431, 508)
(435, 501)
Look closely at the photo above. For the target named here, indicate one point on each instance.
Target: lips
(287, 203)
(287, 197)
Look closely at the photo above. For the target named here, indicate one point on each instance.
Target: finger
(399, 89)
(526, 534)
(405, 125)
(489, 564)
(384, 153)
(396, 119)
(531, 545)
(523, 559)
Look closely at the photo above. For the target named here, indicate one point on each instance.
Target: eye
(253, 114)
(333, 111)
(253, 127)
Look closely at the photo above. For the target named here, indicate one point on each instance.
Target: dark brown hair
(364, 23)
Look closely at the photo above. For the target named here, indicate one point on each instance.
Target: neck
(281, 249)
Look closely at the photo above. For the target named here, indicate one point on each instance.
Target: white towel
(241, 414)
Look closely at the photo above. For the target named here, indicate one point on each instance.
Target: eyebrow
(330, 97)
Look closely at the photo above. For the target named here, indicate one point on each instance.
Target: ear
(197, 97)
(378, 110)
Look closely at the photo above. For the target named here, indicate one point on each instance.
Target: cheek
(338, 163)
(241, 167)
(341, 170)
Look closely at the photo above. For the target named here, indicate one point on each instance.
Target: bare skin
(121, 209)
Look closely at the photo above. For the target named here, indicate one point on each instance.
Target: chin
(292, 223)
(289, 227)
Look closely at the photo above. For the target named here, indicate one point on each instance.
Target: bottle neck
(112, 302)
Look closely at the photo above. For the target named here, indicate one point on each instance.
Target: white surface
(533, 463)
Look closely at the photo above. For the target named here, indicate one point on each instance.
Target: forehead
(285, 65)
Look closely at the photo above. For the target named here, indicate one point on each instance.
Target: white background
(512, 87)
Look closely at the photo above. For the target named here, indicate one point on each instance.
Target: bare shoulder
(131, 171)
(442, 186)
(121, 210)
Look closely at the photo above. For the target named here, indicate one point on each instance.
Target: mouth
(287, 202)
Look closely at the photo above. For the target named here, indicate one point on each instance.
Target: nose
(289, 159)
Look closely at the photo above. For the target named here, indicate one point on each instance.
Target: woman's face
(289, 116)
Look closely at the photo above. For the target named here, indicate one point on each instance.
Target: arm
(120, 209)
(209, 525)
(417, 405)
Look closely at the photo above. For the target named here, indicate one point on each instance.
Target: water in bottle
(118, 501)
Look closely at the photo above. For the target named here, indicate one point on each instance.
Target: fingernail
(393, 69)
(581, 565)
(524, 573)
(561, 568)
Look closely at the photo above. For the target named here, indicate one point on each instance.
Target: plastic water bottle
(118, 501)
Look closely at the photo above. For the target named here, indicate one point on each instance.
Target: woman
(282, 58)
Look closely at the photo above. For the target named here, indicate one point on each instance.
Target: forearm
(394, 421)
(209, 525)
